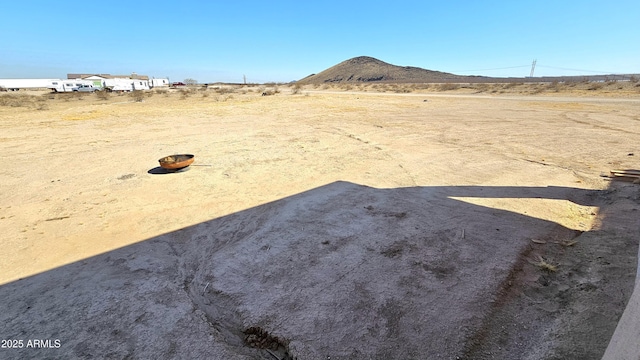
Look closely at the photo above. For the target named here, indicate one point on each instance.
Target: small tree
(190, 81)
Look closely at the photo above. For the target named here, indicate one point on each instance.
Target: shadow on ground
(343, 271)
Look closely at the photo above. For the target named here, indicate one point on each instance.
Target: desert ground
(380, 222)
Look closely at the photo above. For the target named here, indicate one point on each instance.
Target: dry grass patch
(27, 101)
(137, 95)
(545, 264)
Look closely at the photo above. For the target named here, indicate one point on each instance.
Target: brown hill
(368, 69)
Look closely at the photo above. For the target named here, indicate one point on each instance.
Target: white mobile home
(140, 84)
(120, 84)
(158, 82)
(67, 85)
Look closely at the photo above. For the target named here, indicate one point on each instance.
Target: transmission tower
(533, 67)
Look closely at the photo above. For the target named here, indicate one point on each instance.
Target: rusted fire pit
(176, 162)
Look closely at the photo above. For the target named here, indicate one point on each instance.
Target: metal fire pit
(176, 162)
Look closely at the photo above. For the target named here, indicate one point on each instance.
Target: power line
(502, 68)
(590, 71)
(537, 65)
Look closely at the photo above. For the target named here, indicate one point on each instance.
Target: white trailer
(140, 84)
(16, 84)
(122, 84)
(118, 84)
(68, 85)
(158, 83)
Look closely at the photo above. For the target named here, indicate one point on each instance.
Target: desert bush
(633, 79)
(402, 90)
(103, 95)
(76, 95)
(595, 86)
(185, 93)
(296, 89)
(137, 95)
(482, 87)
(41, 103)
(554, 86)
(448, 87)
(225, 90)
(537, 89)
(28, 101)
(190, 81)
(13, 101)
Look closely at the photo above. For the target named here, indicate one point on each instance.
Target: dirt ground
(320, 225)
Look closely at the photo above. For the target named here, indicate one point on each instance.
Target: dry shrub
(554, 86)
(448, 87)
(27, 101)
(185, 93)
(402, 89)
(296, 89)
(137, 95)
(41, 103)
(595, 86)
(510, 85)
(482, 87)
(103, 95)
(537, 89)
(224, 90)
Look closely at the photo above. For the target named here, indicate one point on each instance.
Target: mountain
(368, 69)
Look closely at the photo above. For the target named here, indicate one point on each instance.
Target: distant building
(109, 76)
(121, 82)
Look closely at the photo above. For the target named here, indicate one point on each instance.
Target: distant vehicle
(178, 84)
(86, 88)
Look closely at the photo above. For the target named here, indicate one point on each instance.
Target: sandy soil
(322, 225)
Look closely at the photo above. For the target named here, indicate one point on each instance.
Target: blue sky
(273, 40)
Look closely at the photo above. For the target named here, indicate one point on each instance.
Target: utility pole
(533, 67)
